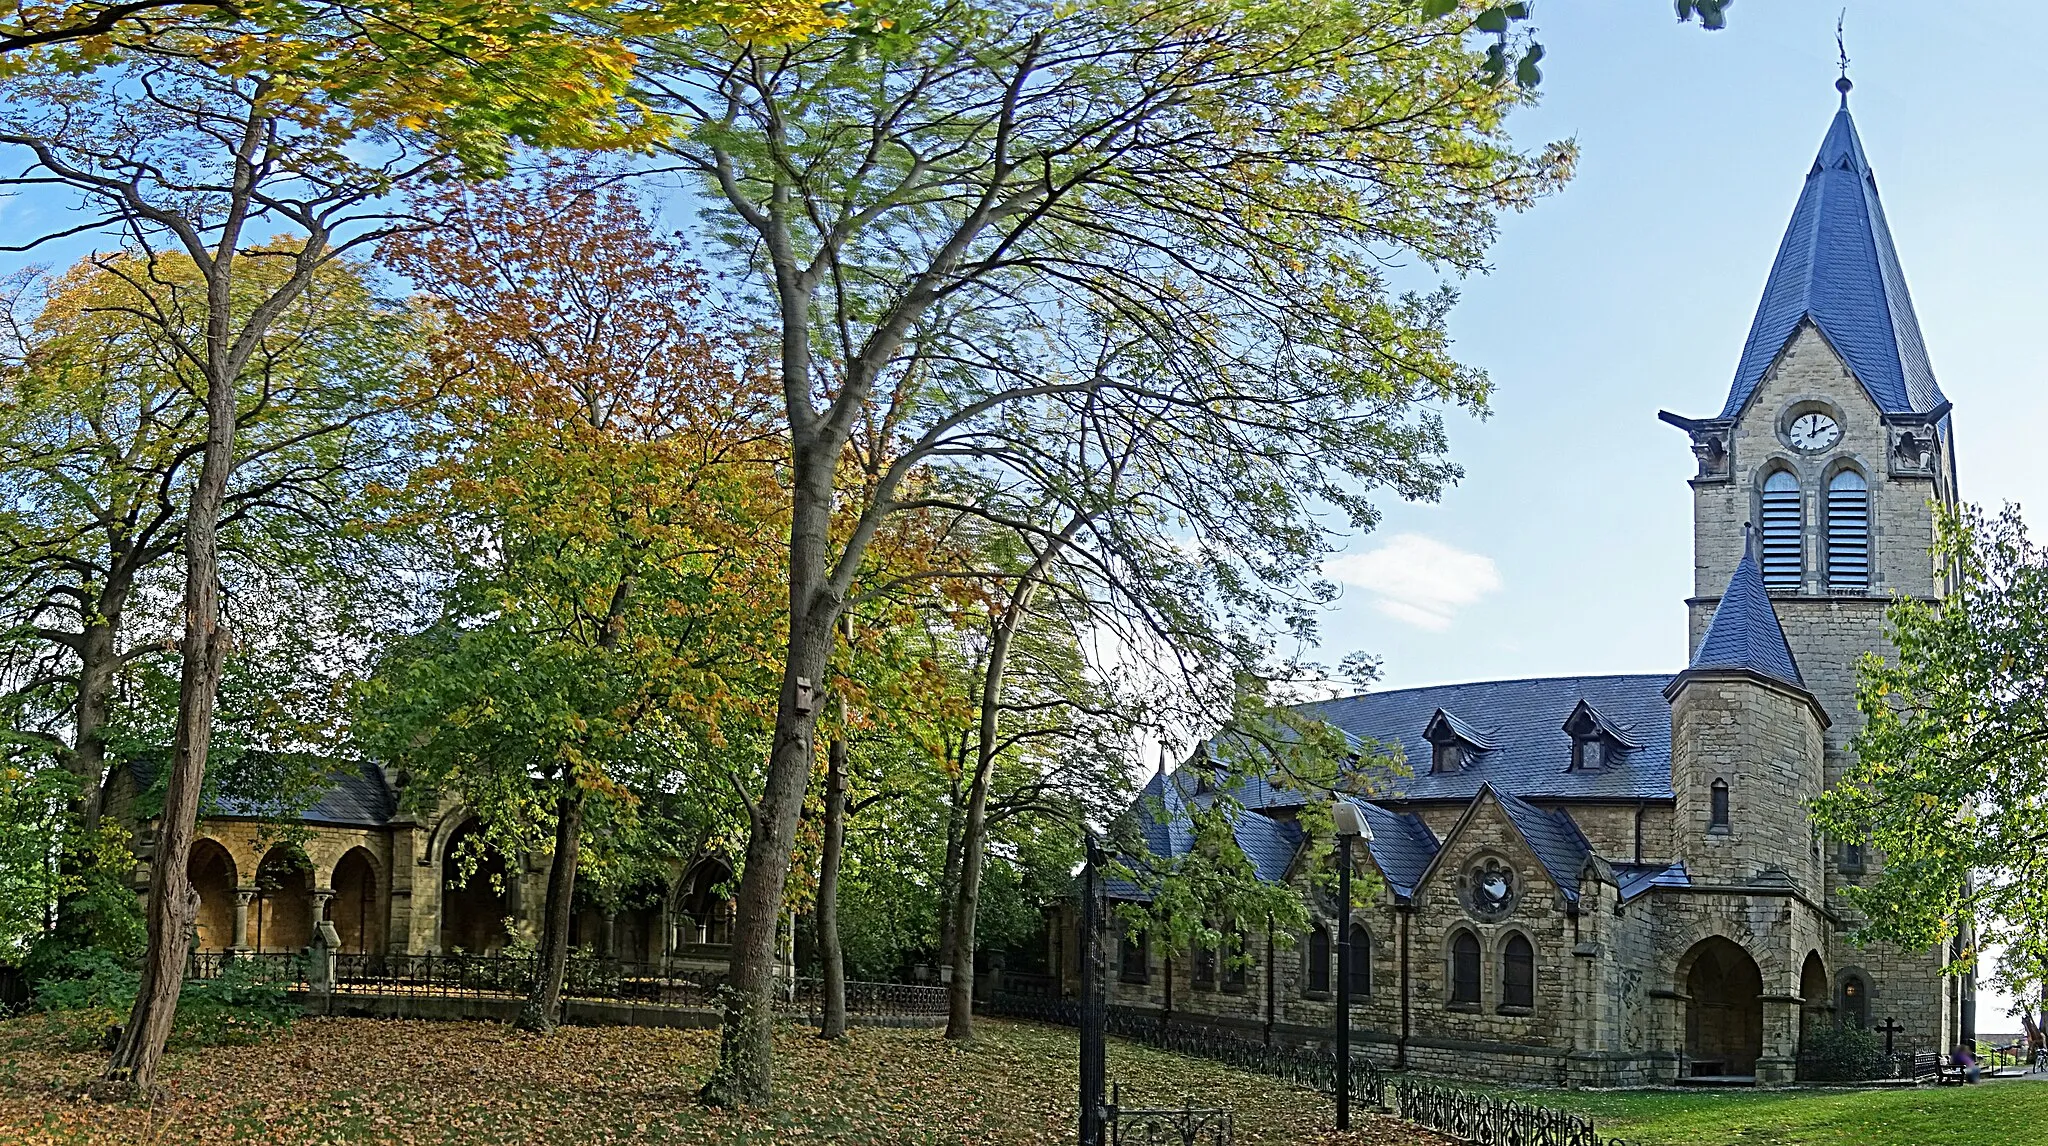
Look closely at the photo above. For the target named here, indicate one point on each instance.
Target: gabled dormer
(1596, 740)
(1453, 743)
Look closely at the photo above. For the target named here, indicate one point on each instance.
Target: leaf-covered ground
(366, 1081)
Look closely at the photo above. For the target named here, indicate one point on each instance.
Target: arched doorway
(706, 912)
(212, 872)
(358, 908)
(1813, 997)
(283, 915)
(474, 903)
(1724, 1015)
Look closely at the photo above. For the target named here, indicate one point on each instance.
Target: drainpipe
(1639, 830)
(1166, 1015)
(1401, 1048)
(1269, 980)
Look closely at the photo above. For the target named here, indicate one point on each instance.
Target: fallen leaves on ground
(405, 1083)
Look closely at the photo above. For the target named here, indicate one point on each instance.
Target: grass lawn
(1993, 1114)
(336, 1081)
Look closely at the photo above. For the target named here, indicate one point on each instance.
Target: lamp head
(1349, 820)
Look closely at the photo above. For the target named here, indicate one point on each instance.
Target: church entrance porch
(1724, 1015)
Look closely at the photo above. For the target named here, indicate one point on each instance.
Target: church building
(1613, 880)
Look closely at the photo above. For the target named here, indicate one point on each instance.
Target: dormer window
(1596, 740)
(1453, 743)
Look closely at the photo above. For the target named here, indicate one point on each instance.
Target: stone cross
(1891, 1027)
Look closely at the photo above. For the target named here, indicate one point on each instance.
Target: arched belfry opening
(1724, 1012)
(474, 899)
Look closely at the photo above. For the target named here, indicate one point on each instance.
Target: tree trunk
(545, 1002)
(746, 1048)
(87, 760)
(949, 877)
(173, 903)
(973, 842)
(833, 1025)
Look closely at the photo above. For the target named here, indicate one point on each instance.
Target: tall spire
(1745, 633)
(1837, 268)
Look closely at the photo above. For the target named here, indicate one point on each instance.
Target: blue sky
(1567, 548)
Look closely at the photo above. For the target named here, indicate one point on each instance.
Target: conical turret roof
(1837, 267)
(1745, 633)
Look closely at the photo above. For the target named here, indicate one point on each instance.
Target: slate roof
(1555, 838)
(1837, 267)
(1402, 846)
(356, 797)
(1524, 719)
(1162, 809)
(1745, 633)
(1637, 878)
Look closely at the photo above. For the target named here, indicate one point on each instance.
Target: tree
(605, 469)
(102, 425)
(1950, 784)
(1221, 181)
(186, 153)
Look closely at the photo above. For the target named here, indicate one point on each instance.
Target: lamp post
(1351, 825)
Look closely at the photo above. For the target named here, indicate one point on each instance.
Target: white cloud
(1417, 580)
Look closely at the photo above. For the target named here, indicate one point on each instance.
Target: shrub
(95, 992)
(1840, 1052)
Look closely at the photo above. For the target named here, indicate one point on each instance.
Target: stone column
(1778, 1065)
(243, 897)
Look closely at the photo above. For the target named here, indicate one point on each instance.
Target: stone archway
(705, 913)
(1724, 1015)
(1813, 997)
(283, 915)
(474, 903)
(212, 872)
(357, 912)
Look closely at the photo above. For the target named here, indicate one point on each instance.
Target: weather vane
(1842, 50)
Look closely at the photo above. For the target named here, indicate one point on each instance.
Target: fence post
(1093, 1000)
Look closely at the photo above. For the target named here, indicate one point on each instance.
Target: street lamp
(1351, 825)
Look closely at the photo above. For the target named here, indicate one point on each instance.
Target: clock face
(1813, 432)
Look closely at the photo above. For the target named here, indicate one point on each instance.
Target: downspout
(1639, 830)
(1407, 910)
(1167, 1014)
(1269, 980)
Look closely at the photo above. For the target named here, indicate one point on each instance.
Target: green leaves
(1950, 787)
(1713, 14)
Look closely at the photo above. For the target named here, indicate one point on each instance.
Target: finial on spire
(1749, 541)
(1844, 83)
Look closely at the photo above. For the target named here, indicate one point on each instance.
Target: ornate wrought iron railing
(1303, 1066)
(287, 968)
(1187, 1126)
(901, 1001)
(1488, 1120)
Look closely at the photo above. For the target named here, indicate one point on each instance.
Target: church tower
(1834, 449)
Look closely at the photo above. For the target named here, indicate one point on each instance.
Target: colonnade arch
(1724, 1016)
(211, 868)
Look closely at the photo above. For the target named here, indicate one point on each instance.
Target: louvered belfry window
(1848, 531)
(1781, 528)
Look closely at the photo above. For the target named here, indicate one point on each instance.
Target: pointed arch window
(1848, 531)
(1518, 974)
(1464, 970)
(1360, 971)
(1319, 959)
(1717, 807)
(1782, 521)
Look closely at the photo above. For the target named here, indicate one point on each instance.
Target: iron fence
(1316, 1069)
(1487, 1120)
(1899, 1066)
(1187, 1126)
(666, 983)
(283, 968)
(912, 1002)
